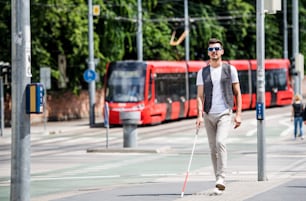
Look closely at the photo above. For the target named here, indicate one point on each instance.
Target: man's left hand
(237, 122)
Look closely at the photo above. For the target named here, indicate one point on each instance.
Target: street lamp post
(21, 76)
(91, 65)
(269, 6)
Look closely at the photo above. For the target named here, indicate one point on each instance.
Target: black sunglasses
(210, 49)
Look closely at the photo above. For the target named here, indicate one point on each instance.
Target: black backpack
(298, 110)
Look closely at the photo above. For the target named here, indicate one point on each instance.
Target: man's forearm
(239, 105)
(200, 106)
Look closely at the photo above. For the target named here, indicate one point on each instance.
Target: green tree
(63, 30)
(302, 32)
(240, 28)
(5, 31)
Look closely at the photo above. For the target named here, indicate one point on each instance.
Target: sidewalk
(251, 191)
(56, 127)
(239, 190)
(283, 185)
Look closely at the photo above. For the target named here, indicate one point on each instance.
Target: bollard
(130, 120)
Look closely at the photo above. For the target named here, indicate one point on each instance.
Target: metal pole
(2, 105)
(21, 76)
(139, 31)
(285, 29)
(91, 65)
(295, 27)
(187, 51)
(107, 132)
(106, 121)
(260, 52)
(295, 41)
(45, 110)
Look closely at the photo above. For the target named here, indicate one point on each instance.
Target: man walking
(217, 85)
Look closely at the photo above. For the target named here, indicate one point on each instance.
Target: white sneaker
(220, 184)
(217, 191)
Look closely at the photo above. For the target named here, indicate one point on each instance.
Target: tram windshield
(125, 82)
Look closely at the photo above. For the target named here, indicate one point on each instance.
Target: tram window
(170, 86)
(281, 79)
(160, 93)
(269, 81)
(192, 85)
(150, 88)
(276, 78)
(254, 81)
(244, 81)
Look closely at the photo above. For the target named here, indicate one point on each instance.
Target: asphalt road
(71, 161)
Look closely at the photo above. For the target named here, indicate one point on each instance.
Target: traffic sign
(89, 75)
(260, 111)
(45, 77)
(96, 10)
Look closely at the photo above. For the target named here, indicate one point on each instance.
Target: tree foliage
(61, 31)
(60, 27)
(5, 31)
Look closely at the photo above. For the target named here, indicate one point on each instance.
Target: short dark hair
(215, 40)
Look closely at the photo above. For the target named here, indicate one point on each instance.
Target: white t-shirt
(218, 103)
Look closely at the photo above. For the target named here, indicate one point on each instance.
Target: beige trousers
(217, 129)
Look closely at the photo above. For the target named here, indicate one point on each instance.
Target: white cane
(187, 174)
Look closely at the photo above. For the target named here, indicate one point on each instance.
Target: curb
(165, 149)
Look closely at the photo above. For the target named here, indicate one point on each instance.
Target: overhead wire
(220, 15)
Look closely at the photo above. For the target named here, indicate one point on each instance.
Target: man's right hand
(199, 122)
